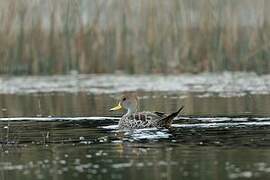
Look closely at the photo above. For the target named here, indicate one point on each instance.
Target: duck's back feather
(147, 119)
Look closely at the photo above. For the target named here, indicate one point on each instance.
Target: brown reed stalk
(146, 36)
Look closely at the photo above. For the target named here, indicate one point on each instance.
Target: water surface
(60, 128)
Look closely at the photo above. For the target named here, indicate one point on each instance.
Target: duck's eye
(124, 99)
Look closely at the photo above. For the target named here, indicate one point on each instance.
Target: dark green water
(234, 146)
(88, 104)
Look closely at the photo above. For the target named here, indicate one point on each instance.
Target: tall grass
(142, 36)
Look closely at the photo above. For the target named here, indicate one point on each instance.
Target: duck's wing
(148, 119)
(143, 119)
(160, 114)
(167, 121)
(147, 116)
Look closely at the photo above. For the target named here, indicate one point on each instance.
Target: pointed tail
(167, 121)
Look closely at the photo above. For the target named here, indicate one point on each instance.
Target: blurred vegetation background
(142, 36)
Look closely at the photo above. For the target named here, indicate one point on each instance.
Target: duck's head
(128, 102)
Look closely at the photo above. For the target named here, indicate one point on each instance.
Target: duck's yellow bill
(116, 107)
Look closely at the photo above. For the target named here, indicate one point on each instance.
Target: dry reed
(143, 36)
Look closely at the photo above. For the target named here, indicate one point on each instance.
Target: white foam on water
(57, 118)
(233, 84)
(229, 124)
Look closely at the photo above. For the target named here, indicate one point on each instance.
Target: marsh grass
(143, 36)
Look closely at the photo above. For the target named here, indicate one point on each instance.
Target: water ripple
(104, 130)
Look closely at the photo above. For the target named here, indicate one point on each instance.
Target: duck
(133, 119)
